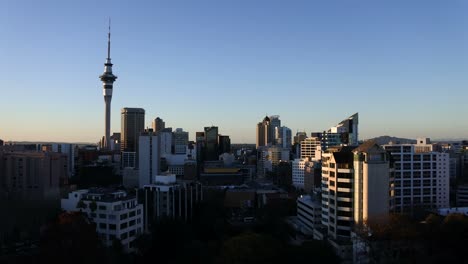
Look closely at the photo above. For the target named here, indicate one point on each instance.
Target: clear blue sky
(403, 65)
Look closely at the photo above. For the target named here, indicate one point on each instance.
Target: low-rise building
(170, 198)
(117, 215)
(309, 213)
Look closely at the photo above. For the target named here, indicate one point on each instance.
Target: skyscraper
(345, 133)
(263, 132)
(148, 158)
(211, 141)
(132, 124)
(224, 144)
(107, 79)
(180, 142)
(283, 136)
(158, 124)
(275, 123)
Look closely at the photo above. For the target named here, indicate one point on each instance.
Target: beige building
(356, 185)
(372, 182)
(32, 175)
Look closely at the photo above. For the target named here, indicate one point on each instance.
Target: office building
(311, 148)
(268, 131)
(298, 168)
(180, 141)
(268, 158)
(158, 124)
(168, 198)
(345, 133)
(224, 144)
(132, 124)
(421, 176)
(309, 213)
(306, 174)
(166, 141)
(263, 132)
(108, 79)
(211, 143)
(283, 137)
(117, 215)
(275, 124)
(200, 146)
(149, 159)
(69, 151)
(32, 175)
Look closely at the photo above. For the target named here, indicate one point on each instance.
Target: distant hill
(383, 140)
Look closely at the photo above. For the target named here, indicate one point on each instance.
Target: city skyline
(401, 65)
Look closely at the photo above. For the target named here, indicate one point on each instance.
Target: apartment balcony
(345, 170)
(344, 199)
(346, 218)
(344, 180)
(348, 190)
(345, 209)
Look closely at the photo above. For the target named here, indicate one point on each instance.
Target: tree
(93, 206)
(70, 238)
(81, 205)
(251, 248)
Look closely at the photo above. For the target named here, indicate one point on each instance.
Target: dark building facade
(132, 124)
(211, 143)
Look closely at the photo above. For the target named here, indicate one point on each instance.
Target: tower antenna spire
(108, 39)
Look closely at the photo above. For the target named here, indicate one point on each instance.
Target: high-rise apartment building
(422, 176)
(355, 187)
(158, 124)
(132, 124)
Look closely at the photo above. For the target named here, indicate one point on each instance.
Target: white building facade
(421, 176)
(149, 149)
(116, 214)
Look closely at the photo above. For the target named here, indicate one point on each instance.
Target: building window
(102, 216)
(112, 226)
(123, 225)
(102, 207)
(102, 225)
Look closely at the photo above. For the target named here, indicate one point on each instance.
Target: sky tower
(107, 79)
